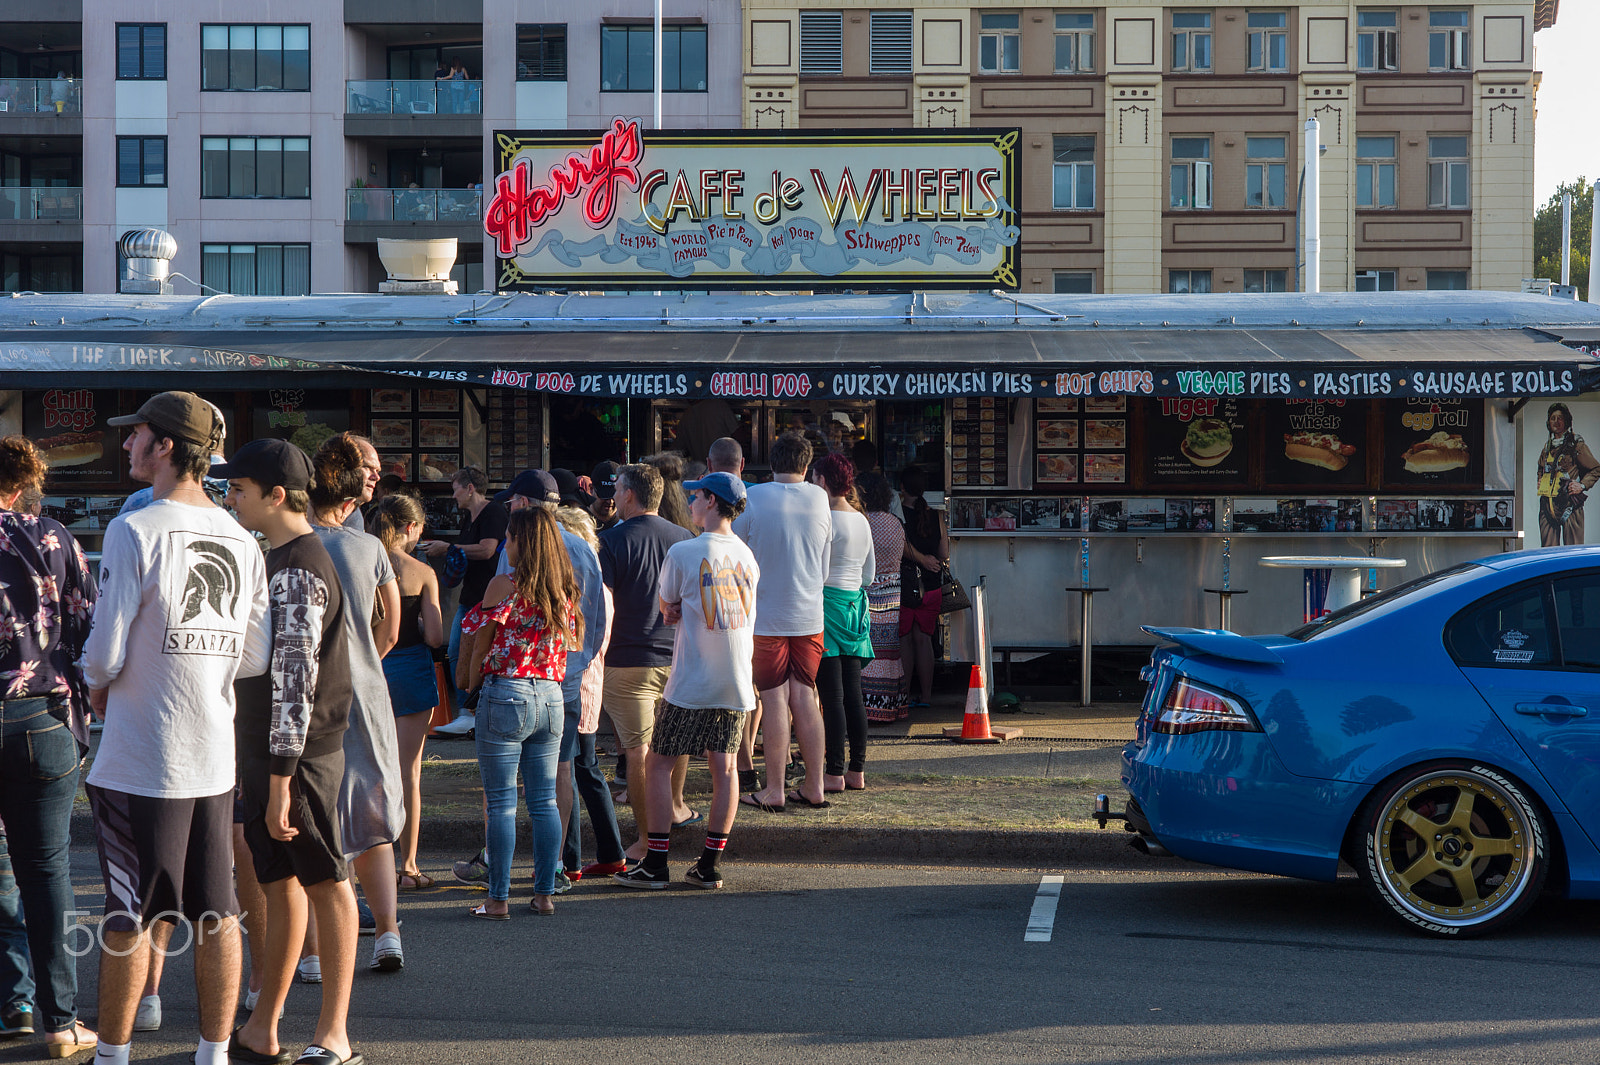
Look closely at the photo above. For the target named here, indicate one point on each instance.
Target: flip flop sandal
(481, 912)
(751, 800)
(419, 881)
(794, 796)
(237, 1051)
(315, 1055)
(694, 818)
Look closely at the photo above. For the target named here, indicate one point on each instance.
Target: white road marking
(1042, 921)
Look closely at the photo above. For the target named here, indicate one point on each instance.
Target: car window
(1578, 620)
(1384, 600)
(1509, 630)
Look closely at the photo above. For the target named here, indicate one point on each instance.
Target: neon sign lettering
(518, 206)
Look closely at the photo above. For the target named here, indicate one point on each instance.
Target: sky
(1567, 137)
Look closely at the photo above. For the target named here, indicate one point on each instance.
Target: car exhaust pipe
(1133, 820)
(1145, 845)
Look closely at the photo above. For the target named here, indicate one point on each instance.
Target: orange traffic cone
(975, 725)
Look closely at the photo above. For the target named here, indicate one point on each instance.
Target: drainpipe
(1594, 246)
(1566, 238)
(658, 64)
(1312, 202)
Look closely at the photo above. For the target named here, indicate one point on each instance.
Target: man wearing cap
(483, 528)
(604, 507)
(291, 729)
(182, 613)
(708, 591)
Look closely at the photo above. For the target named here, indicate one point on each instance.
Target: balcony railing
(40, 204)
(33, 95)
(413, 97)
(413, 205)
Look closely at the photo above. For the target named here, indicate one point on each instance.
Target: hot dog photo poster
(69, 426)
(1197, 441)
(1320, 442)
(1430, 442)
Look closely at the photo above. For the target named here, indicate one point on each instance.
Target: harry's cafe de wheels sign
(814, 209)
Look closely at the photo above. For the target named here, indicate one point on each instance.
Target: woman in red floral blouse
(520, 635)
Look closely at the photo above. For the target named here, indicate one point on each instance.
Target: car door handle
(1552, 709)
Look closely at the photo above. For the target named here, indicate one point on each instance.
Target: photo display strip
(1028, 514)
(979, 442)
(1491, 515)
(515, 432)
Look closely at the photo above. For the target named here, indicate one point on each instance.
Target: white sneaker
(386, 954)
(459, 727)
(250, 1000)
(148, 1019)
(310, 969)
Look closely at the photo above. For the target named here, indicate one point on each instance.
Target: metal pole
(1566, 238)
(1085, 669)
(1594, 245)
(1313, 205)
(658, 64)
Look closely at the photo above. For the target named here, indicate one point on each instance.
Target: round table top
(1332, 562)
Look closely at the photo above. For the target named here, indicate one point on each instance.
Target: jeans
(519, 726)
(589, 785)
(38, 778)
(16, 971)
(844, 713)
(453, 652)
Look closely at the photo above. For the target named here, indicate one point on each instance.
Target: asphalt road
(893, 964)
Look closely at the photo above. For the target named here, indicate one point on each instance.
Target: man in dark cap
(604, 507)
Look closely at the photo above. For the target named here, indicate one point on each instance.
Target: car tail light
(1192, 707)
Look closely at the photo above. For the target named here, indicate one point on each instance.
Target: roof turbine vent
(147, 256)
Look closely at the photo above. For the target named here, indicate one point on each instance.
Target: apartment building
(1161, 144)
(278, 140)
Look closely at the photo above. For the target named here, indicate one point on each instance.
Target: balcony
(372, 213)
(41, 214)
(390, 108)
(41, 107)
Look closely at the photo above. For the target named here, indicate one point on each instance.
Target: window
(1374, 280)
(1578, 620)
(1074, 43)
(1447, 280)
(1077, 283)
(141, 51)
(889, 42)
(1264, 172)
(1191, 40)
(1266, 281)
(255, 167)
(999, 43)
(1269, 40)
(1073, 175)
(1188, 280)
(255, 58)
(257, 269)
(542, 52)
(1448, 172)
(1447, 40)
(1191, 173)
(821, 42)
(1508, 630)
(1374, 171)
(141, 162)
(627, 59)
(1377, 41)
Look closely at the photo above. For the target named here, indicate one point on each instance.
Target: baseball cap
(182, 415)
(605, 480)
(568, 488)
(537, 485)
(270, 463)
(725, 486)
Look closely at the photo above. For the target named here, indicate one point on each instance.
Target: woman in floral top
(46, 598)
(520, 635)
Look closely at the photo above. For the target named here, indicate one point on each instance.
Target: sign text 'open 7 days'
(636, 208)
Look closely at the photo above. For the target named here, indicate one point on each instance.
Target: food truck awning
(925, 345)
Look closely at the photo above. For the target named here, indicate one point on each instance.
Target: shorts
(316, 854)
(924, 617)
(164, 857)
(630, 697)
(682, 730)
(785, 658)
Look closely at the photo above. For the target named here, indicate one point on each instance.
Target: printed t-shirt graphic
(203, 613)
(727, 593)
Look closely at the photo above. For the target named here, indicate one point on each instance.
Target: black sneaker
(699, 879)
(640, 877)
(16, 1019)
(749, 780)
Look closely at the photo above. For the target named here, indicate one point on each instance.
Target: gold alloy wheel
(1453, 847)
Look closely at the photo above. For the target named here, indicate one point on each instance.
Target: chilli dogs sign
(631, 207)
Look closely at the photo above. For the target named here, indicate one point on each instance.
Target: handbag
(455, 566)
(952, 595)
(910, 585)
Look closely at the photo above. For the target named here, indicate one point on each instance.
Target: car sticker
(1512, 641)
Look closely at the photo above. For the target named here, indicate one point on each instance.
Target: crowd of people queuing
(261, 651)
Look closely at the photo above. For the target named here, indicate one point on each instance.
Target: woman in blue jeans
(520, 635)
(46, 598)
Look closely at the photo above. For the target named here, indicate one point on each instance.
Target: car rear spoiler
(1219, 643)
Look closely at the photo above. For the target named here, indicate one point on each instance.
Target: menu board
(515, 434)
(1316, 442)
(1196, 441)
(68, 425)
(979, 441)
(1433, 442)
(417, 432)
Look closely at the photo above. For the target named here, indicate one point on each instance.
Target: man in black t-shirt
(483, 527)
(290, 726)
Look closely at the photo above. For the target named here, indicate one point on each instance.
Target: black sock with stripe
(655, 859)
(715, 842)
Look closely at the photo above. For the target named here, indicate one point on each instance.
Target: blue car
(1443, 738)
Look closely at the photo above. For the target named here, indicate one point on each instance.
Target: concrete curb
(758, 837)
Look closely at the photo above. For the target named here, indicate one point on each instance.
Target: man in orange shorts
(787, 527)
